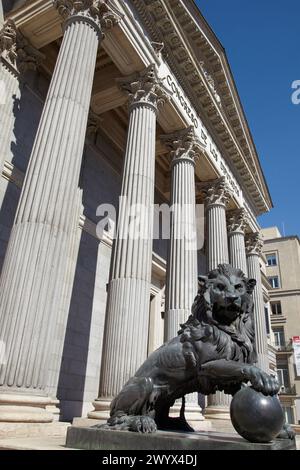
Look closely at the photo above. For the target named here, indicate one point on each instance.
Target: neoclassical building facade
(102, 99)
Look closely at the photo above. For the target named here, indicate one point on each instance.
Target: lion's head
(224, 303)
(225, 294)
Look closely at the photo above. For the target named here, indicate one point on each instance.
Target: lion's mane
(233, 342)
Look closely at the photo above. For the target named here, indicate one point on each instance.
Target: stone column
(236, 226)
(182, 271)
(217, 194)
(31, 286)
(17, 57)
(254, 246)
(1, 13)
(128, 305)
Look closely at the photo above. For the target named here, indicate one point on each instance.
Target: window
(276, 308)
(283, 378)
(267, 320)
(274, 281)
(272, 259)
(279, 337)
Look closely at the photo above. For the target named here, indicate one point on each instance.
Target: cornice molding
(196, 80)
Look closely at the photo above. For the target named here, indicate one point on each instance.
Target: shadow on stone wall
(27, 111)
(72, 374)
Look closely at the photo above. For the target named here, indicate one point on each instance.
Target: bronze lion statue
(214, 350)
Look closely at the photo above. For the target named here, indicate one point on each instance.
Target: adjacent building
(282, 255)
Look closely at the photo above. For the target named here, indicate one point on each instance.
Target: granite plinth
(100, 439)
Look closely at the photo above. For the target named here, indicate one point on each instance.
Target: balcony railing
(287, 390)
(283, 347)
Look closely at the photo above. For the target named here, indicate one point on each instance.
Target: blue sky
(262, 41)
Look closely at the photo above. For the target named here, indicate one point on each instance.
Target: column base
(18, 408)
(101, 411)
(217, 412)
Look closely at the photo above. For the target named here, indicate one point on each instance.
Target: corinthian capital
(100, 12)
(254, 244)
(145, 88)
(236, 221)
(184, 145)
(215, 192)
(8, 42)
(16, 51)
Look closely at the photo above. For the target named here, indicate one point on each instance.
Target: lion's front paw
(143, 424)
(262, 382)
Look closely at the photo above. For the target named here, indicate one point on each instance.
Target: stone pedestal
(98, 439)
(32, 282)
(254, 246)
(128, 304)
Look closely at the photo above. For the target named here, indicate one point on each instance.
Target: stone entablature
(175, 51)
(198, 82)
(210, 149)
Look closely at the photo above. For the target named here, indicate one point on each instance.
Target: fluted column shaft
(182, 270)
(9, 88)
(16, 57)
(182, 266)
(127, 316)
(36, 261)
(216, 195)
(236, 225)
(254, 245)
(217, 252)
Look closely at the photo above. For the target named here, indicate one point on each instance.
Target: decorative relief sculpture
(237, 221)
(254, 244)
(211, 83)
(215, 192)
(183, 144)
(16, 51)
(145, 88)
(214, 350)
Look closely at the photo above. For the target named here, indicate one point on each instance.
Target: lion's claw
(262, 382)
